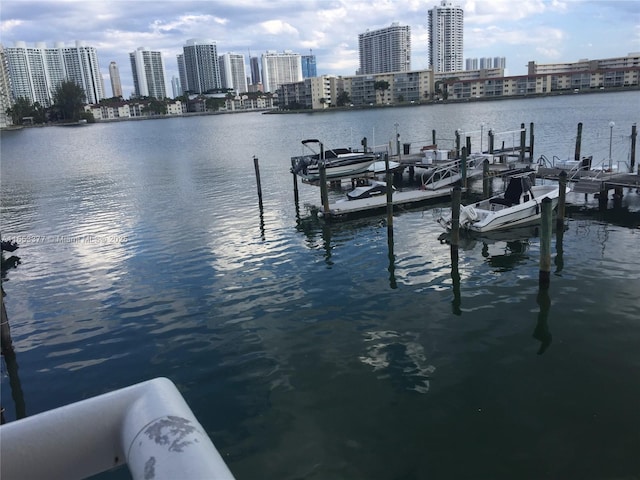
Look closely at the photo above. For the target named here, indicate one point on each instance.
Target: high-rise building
(446, 30)
(114, 75)
(471, 64)
(148, 73)
(255, 71)
(279, 68)
(36, 72)
(385, 50)
(309, 66)
(5, 90)
(486, 62)
(201, 67)
(176, 88)
(233, 74)
(182, 73)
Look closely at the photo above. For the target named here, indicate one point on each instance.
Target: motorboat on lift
(338, 162)
(519, 205)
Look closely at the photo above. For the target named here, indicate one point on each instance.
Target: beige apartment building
(425, 85)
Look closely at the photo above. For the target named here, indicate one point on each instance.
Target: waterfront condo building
(233, 73)
(148, 73)
(36, 72)
(446, 29)
(385, 50)
(5, 90)
(114, 75)
(199, 66)
(280, 68)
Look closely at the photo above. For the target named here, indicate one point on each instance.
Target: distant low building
(127, 109)
(426, 85)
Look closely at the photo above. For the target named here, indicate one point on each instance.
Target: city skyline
(545, 31)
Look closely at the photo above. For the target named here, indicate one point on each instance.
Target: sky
(544, 31)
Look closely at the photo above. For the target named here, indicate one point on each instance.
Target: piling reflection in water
(541, 331)
(11, 362)
(455, 278)
(392, 261)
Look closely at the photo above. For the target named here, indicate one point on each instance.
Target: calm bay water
(301, 347)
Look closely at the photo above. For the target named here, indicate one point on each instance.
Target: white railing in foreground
(148, 426)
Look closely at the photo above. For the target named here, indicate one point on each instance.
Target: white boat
(520, 204)
(380, 166)
(338, 162)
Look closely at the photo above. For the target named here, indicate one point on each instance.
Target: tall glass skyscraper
(255, 70)
(309, 66)
(446, 31)
(386, 50)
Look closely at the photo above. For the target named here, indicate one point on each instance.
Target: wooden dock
(593, 181)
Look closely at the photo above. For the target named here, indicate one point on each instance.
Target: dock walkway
(592, 181)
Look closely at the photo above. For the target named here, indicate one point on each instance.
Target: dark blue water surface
(305, 349)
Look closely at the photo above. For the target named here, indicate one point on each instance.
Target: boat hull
(345, 170)
(523, 216)
(491, 215)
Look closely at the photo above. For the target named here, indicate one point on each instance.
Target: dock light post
(611, 125)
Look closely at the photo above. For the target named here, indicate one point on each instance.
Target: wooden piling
(433, 137)
(562, 181)
(388, 178)
(617, 197)
(486, 179)
(576, 155)
(634, 134)
(296, 195)
(455, 241)
(455, 216)
(544, 278)
(363, 142)
(468, 145)
(455, 279)
(463, 167)
(531, 142)
(491, 141)
(523, 141)
(324, 191)
(6, 344)
(256, 166)
(457, 144)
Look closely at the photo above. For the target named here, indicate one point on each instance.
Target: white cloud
(278, 27)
